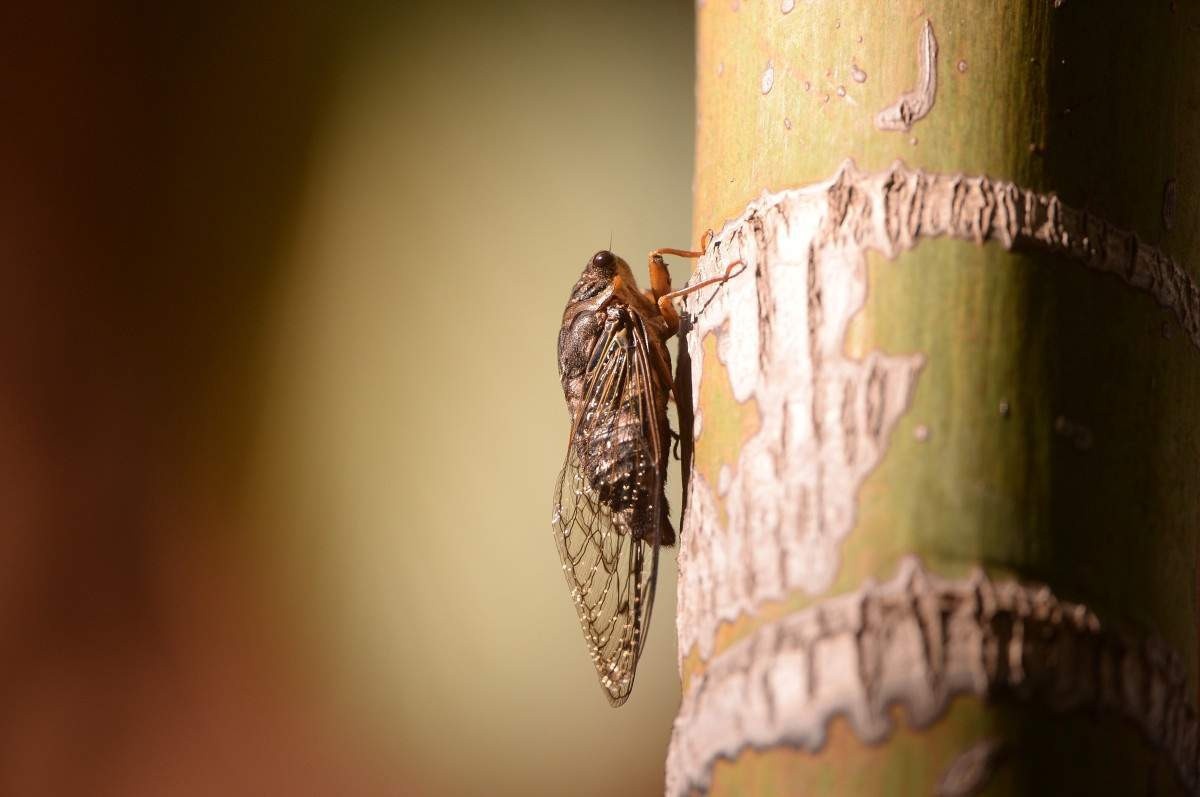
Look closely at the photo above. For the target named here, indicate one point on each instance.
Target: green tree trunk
(940, 532)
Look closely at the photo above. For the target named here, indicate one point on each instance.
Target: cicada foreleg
(665, 301)
(660, 278)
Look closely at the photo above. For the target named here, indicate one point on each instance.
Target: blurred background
(279, 410)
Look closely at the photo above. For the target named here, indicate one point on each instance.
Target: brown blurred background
(279, 414)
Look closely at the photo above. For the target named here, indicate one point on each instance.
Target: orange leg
(704, 241)
(668, 310)
(660, 277)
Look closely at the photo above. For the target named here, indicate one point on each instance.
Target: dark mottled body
(610, 510)
(622, 445)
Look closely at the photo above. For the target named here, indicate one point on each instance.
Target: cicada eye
(604, 259)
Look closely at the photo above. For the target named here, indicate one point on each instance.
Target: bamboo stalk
(962, 362)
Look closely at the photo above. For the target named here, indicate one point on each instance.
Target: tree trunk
(940, 532)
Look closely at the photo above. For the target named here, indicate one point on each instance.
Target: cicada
(610, 510)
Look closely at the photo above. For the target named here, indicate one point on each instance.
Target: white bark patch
(916, 104)
(920, 641)
(969, 773)
(768, 79)
(826, 418)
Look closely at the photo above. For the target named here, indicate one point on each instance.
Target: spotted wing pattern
(609, 504)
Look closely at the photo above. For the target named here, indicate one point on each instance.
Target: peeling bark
(825, 417)
(915, 105)
(919, 641)
(970, 772)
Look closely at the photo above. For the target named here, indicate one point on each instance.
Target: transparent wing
(602, 507)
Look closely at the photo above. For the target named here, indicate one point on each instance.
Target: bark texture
(961, 364)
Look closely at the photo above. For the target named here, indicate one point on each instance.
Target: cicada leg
(660, 278)
(668, 310)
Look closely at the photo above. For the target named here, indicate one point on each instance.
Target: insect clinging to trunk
(610, 509)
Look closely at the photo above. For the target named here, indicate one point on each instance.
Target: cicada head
(599, 273)
(603, 264)
(582, 323)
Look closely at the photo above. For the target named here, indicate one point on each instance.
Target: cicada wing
(611, 570)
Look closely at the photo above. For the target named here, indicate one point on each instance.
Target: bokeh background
(279, 412)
